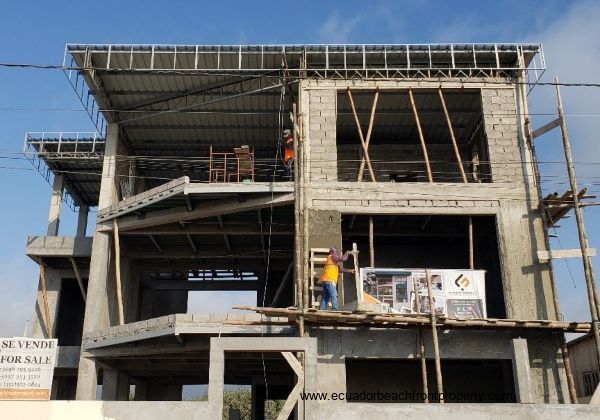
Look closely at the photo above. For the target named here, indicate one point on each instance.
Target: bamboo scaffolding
(421, 348)
(297, 224)
(362, 139)
(421, 137)
(471, 245)
(368, 137)
(371, 242)
(79, 279)
(583, 241)
(452, 137)
(418, 321)
(434, 336)
(118, 271)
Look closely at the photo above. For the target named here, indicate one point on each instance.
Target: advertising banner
(456, 293)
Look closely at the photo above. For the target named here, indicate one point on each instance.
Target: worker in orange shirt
(288, 152)
(329, 278)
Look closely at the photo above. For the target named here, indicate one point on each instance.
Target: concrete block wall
(322, 151)
(500, 122)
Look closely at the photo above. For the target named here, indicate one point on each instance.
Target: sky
(42, 100)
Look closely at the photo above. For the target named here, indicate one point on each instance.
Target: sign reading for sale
(26, 368)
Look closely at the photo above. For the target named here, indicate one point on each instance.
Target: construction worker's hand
(353, 252)
(351, 271)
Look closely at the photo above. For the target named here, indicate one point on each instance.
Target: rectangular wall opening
(71, 310)
(395, 149)
(489, 381)
(428, 241)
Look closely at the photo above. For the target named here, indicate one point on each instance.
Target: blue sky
(36, 32)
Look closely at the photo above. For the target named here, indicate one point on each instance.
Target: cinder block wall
(500, 122)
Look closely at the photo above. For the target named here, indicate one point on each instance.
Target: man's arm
(340, 258)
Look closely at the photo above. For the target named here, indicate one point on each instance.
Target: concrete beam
(242, 252)
(240, 188)
(223, 285)
(205, 209)
(238, 229)
(59, 246)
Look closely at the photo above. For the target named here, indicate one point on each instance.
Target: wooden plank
(294, 363)
(452, 137)
(48, 322)
(362, 139)
(359, 289)
(287, 408)
(118, 271)
(564, 253)
(79, 279)
(546, 127)
(421, 137)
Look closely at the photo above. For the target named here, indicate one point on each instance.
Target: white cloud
(338, 29)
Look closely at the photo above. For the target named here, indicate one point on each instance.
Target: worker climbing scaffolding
(288, 153)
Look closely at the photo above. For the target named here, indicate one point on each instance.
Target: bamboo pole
(79, 279)
(422, 348)
(471, 252)
(298, 221)
(371, 242)
(368, 138)
(304, 173)
(544, 219)
(362, 139)
(48, 322)
(452, 137)
(434, 336)
(583, 242)
(421, 137)
(118, 271)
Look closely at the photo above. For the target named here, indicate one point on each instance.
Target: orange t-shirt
(331, 270)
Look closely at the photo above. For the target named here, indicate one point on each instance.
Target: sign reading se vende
(26, 368)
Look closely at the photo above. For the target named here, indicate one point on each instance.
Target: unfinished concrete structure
(416, 153)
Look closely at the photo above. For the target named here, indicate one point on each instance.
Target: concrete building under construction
(415, 155)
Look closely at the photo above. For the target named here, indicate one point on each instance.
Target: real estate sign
(26, 368)
(456, 293)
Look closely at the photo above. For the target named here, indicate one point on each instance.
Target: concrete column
(522, 371)
(115, 385)
(216, 380)
(82, 220)
(55, 205)
(100, 306)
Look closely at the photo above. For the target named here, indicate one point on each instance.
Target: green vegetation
(241, 399)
